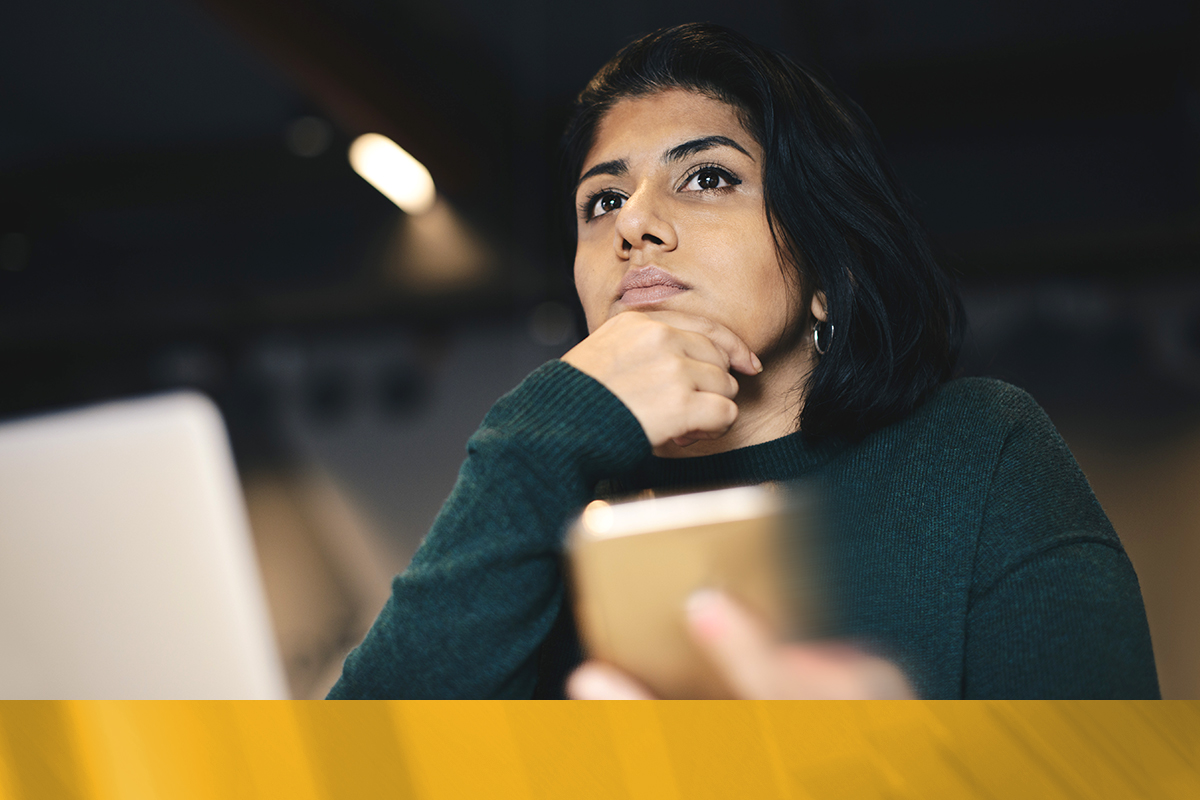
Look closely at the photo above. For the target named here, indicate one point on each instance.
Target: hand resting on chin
(670, 369)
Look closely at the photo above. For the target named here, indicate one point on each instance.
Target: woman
(762, 305)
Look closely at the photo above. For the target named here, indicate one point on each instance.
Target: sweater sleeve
(1064, 624)
(466, 618)
(1055, 610)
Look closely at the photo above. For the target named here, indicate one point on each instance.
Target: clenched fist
(671, 370)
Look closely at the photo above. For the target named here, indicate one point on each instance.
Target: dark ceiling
(147, 187)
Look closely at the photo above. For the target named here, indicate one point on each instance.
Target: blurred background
(177, 210)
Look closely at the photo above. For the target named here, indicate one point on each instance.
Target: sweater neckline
(786, 458)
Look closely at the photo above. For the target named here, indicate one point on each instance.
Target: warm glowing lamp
(390, 169)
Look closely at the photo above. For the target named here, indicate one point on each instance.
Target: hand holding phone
(635, 564)
(756, 666)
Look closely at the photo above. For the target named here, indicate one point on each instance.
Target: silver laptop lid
(126, 564)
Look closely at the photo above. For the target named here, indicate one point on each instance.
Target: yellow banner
(633, 751)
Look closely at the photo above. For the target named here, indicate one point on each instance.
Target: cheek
(775, 289)
(783, 293)
(589, 294)
(777, 280)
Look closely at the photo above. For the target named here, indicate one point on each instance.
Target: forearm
(466, 618)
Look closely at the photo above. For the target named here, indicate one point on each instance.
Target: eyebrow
(619, 167)
(699, 145)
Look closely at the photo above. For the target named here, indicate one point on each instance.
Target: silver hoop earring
(817, 338)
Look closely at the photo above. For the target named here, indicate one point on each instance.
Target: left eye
(709, 178)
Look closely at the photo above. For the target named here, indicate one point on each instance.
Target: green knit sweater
(976, 555)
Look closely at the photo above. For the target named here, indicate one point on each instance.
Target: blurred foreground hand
(755, 666)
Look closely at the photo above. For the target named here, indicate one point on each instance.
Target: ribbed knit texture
(970, 549)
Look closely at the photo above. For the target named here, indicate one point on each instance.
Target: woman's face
(670, 215)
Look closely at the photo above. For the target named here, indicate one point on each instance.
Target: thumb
(736, 642)
(756, 667)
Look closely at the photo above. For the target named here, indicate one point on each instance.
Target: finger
(690, 438)
(596, 681)
(737, 353)
(708, 415)
(739, 647)
(756, 667)
(839, 671)
(706, 377)
(700, 348)
(885, 681)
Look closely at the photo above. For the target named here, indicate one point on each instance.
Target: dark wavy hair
(836, 212)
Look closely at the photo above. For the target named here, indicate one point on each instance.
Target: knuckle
(675, 370)
(675, 403)
(731, 412)
(659, 331)
(683, 418)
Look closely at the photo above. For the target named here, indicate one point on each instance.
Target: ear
(818, 307)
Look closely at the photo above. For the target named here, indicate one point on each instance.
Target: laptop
(127, 569)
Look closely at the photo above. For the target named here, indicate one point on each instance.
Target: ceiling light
(400, 177)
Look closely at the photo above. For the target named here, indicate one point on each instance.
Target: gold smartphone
(634, 564)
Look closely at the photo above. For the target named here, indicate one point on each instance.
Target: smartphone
(634, 564)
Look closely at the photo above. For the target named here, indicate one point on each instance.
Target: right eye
(602, 203)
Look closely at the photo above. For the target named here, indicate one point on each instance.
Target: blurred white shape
(598, 517)
(390, 169)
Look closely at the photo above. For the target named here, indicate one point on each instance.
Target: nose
(643, 223)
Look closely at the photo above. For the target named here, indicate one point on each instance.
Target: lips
(649, 285)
